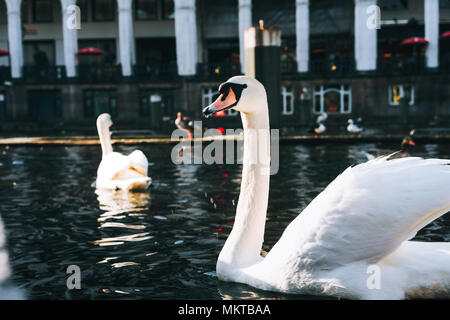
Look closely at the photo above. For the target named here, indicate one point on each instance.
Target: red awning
(4, 53)
(414, 41)
(90, 52)
(446, 35)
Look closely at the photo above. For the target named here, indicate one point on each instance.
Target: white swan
(356, 229)
(319, 127)
(117, 171)
(353, 128)
(322, 117)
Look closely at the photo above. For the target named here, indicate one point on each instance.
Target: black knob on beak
(207, 112)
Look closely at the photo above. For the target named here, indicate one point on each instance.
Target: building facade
(342, 57)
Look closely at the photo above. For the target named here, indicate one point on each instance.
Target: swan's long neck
(243, 246)
(105, 139)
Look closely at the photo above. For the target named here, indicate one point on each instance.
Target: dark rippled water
(155, 245)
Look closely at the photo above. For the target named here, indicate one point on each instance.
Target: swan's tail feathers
(131, 184)
(369, 210)
(139, 184)
(424, 268)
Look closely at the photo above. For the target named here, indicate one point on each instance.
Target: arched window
(333, 99)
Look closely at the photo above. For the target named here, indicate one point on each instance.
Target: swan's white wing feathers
(366, 213)
(117, 171)
(111, 165)
(139, 161)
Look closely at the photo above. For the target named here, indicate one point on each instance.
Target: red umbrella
(446, 35)
(414, 41)
(90, 52)
(4, 53)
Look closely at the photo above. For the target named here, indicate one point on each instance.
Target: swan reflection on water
(121, 205)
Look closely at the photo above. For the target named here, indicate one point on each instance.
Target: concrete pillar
(245, 22)
(70, 36)
(126, 36)
(186, 37)
(431, 14)
(15, 37)
(262, 56)
(302, 33)
(365, 36)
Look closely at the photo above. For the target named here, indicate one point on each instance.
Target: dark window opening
(83, 4)
(103, 10)
(97, 102)
(223, 56)
(168, 9)
(332, 54)
(44, 104)
(155, 51)
(24, 11)
(42, 11)
(444, 4)
(146, 10)
(3, 13)
(393, 4)
(167, 102)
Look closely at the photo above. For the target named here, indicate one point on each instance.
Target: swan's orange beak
(411, 143)
(222, 103)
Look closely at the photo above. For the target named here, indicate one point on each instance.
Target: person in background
(40, 57)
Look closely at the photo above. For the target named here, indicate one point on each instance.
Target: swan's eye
(224, 90)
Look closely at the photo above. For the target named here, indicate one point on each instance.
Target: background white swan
(358, 226)
(117, 171)
(352, 127)
(320, 128)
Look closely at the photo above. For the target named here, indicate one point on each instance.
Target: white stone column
(70, 36)
(245, 22)
(432, 32)
(15, 37)
(302, 33)
(126, 36)
(186, 37)
(365, 36)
